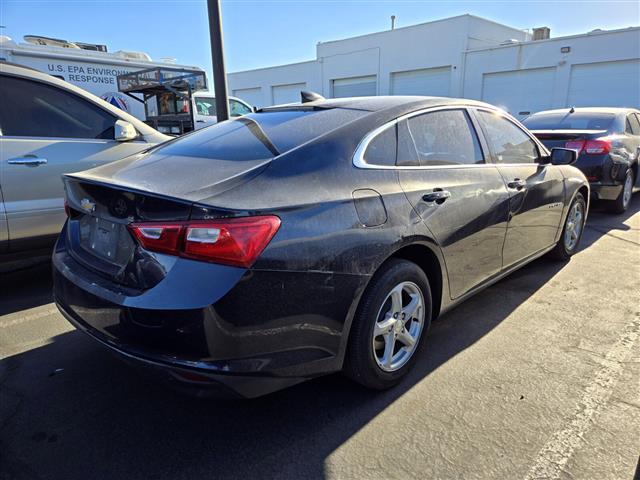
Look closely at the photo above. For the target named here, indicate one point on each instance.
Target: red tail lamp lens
(590, 147)
(233, 241)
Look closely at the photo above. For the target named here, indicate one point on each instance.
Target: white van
(204, 108)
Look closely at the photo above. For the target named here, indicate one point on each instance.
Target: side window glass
(407, 154)
(627, 125)
(445, 137)
(635, 123)
(509, 143)
(34, 109)
(237, 109)
(382, 149)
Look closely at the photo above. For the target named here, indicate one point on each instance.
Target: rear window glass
(570, 121)
(260, 135)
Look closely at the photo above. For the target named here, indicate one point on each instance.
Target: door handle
(29, 161)
(517, 184)
(438, 196)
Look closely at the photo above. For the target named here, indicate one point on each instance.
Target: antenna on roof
(572, 109)
(306, 96)
(393, 22)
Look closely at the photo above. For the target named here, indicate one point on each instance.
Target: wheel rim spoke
(389, 345)
(382, 327)
(396, 299)
(405, 337)
(412, 307)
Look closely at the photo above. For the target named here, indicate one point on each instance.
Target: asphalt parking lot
(536, 377)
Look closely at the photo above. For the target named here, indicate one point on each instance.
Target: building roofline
(315, 60)
(415, 25)
(546, 40)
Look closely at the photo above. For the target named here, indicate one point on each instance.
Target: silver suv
(49, 127)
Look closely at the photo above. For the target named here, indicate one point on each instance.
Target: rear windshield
(260, 135)
(570, 121)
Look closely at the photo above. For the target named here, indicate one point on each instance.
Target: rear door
(46, 132)
(536, 191)
(461, 198)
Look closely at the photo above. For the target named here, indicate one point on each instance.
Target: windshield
(569, 121)
(259, 135)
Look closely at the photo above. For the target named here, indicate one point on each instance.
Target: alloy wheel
(627, 190)
(398, 327)
(573, 226)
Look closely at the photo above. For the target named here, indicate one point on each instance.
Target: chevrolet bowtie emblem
(87, 205)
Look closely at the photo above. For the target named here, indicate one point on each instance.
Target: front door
(462, 199)
(47, 132)
(536, 191)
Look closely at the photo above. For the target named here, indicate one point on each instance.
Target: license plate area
(106, 240)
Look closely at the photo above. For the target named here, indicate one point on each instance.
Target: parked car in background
(205, 108)
(608, 144)
(50, 127)
(309, 238)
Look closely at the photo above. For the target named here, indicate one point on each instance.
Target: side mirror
(124, 131)
(254, 109)
(563, 156)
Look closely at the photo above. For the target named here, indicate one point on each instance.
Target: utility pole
(217, 57)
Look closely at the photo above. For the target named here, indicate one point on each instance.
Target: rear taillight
(232, 241)
(597, 147)
(576, 145)
(590, 147)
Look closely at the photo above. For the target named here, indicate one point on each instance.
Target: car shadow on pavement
(70, 410)
(603, 222)
(25, 288)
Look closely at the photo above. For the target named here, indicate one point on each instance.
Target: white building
(464, 56)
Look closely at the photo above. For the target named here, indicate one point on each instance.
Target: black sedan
(309, 238)
(607, 141)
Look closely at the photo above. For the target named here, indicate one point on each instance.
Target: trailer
(88, 66)
(167, 96)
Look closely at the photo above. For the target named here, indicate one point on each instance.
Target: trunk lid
(188, 178)
(98, 237)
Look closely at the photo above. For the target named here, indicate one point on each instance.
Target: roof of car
(378, 103)
(612, 110)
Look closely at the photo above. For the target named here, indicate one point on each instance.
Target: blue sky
(270, 32)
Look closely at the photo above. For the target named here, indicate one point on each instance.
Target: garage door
(253, 96)
(605, 84)
(520, 92)
(354, 87)
(287, 93)
(427, 81)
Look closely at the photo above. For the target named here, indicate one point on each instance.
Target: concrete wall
(588, 48)
(265, 78)
(382, 53)
(469, 46)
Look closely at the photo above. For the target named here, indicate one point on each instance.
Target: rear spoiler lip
(568, 132)
(125, 187)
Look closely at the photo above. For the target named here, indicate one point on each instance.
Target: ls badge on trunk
(87, 205)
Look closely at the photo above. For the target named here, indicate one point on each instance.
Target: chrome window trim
(358, 156)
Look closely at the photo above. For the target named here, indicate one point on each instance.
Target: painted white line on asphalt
(555, 454)
(21, 317)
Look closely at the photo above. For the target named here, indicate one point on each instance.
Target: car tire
(620, 204)
(572, 230)
(397, 284)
